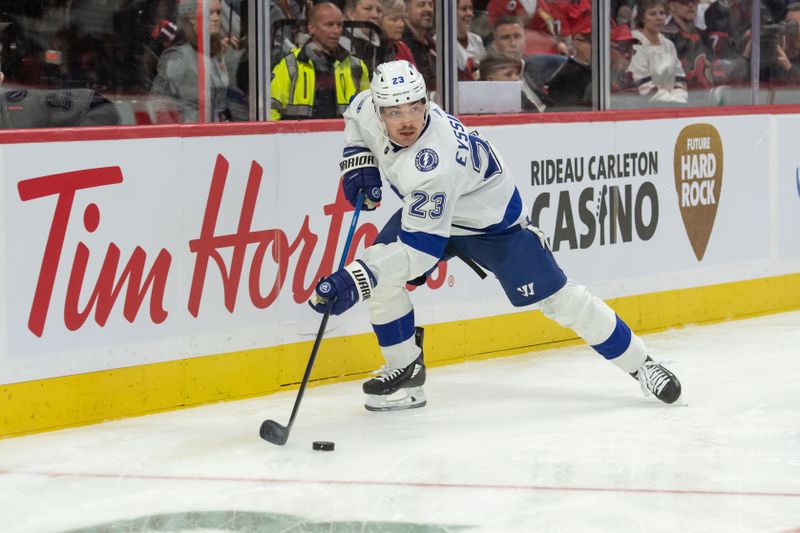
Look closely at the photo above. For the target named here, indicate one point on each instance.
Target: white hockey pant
(574, 307)
(390, 303)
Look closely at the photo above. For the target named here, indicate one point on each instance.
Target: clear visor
(402, 112)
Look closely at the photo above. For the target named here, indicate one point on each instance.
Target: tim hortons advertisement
(126, 252)
(121, 253)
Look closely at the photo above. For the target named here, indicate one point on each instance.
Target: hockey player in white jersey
(458, 200)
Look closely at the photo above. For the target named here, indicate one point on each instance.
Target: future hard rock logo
(698, 182)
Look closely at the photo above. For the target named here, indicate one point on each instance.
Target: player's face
(404, 122)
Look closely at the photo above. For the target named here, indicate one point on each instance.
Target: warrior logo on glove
(344, 288)
(360, 172)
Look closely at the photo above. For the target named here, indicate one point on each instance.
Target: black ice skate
(398, 388)
(657, 380)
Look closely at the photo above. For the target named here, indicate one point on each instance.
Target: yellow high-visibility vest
(293, 84)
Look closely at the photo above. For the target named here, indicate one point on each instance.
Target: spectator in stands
(623, 13)
(780, 64)
(470, 49)
(317, 80)
(289, 9)
(728, 26)
(622, 42)
(556, 18)
(728, 30)
(393, 24)
(418, 35)
(655, 66)
(545, 21)
(500, 67)
(363, 40)
(175, 88)
(690, 43)
(508, 37)
(571, 85)
(522, 10)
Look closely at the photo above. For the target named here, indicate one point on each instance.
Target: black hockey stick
(270, 430)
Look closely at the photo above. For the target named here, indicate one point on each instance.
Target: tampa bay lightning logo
(325, 288)
(426, 160)
(360, 105)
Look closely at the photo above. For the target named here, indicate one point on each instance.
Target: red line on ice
(411, 484)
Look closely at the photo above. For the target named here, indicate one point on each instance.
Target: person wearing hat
(175, 87)
(622, 41)
(571, 85)
(319, 79)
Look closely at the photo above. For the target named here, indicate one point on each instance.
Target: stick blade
(273, 432)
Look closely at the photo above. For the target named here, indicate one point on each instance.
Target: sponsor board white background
(787, 188)
(161, 202)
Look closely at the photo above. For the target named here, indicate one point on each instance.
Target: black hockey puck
(322, 445)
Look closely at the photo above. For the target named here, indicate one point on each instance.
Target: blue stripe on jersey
(512, 214)
(426, 243)
(396, 191)
(350, 150)
(395, 331)
(617, 343)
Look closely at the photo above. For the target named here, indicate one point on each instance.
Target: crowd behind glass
(108, 62)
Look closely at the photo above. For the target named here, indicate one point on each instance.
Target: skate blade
(410, 398)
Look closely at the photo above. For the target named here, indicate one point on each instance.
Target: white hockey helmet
(395, 83)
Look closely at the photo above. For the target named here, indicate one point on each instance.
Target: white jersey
(451, 182)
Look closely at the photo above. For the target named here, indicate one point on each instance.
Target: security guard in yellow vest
(319, 79)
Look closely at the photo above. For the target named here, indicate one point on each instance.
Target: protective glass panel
(779, 72)
(94, 63)
(323, 54)
(524, 56)
(684, 53)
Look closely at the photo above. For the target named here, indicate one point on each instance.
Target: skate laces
(653, 378)
(384, 374)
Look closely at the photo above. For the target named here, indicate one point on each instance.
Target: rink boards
(152, 268)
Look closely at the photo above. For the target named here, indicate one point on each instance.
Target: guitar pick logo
(698, 182)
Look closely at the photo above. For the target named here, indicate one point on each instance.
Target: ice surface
(551, 441)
